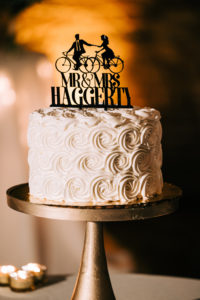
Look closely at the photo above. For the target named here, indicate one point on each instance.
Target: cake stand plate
(93, 281)
(166, 203)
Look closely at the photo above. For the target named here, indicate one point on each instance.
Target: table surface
(126, 287)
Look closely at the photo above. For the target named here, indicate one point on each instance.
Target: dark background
(166, 69)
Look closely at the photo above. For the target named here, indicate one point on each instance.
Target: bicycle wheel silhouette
(95, 65)
(86, 65)
(116, 65)
(63, 64)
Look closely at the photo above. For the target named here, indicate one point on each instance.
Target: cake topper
(82, 86)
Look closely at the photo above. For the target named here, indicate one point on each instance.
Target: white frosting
(92, 155)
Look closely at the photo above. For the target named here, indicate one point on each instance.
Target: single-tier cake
(94, 157)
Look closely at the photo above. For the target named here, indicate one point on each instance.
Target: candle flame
(33, 267)
(20, 274)
(7, 269)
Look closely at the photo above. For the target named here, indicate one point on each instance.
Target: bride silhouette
(108, 54)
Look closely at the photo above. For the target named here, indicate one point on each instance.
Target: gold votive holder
(21, 281)
(38, 271)
(5, 271)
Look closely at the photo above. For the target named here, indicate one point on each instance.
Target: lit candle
(21, 281)
(4, 273)
(38, 271)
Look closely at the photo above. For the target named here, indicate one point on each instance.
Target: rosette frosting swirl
(93, 155)
(128, 187)
(76, 189)
(61, 162)
(129, 138)
(103, 139)
(76, 140)
(148, 185)
(118, 162)
(141, 160)
(90, 162)
(52, 187)
(103, 189)
(146, 134)
(50, 137)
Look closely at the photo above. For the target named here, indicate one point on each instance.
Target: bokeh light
(7, 93)
(44, 69)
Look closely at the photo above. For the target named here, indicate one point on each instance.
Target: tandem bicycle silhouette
(89, 64)
(115, 64)
(63, 64)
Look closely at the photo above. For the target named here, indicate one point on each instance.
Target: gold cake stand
(93, 281)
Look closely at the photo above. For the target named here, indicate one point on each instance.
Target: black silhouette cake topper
(82, 86)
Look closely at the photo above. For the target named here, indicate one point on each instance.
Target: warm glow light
(66, 18)
(37, 270)
(21, 281)
(32, 267)
(14, 275)
(20, 274)
(4, 83)
(47, 100)
(7, 94)
(44, 68)
(7, 269)
(49, 27)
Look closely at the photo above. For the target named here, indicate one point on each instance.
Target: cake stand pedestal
(93, 281)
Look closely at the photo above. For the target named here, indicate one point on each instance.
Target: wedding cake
(94, 156)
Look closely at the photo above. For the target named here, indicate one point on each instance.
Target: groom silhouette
(78, 50)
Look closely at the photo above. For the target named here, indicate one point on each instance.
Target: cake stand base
(93, 281)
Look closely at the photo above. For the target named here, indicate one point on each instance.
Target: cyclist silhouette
(78, 50)
(108, 54)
